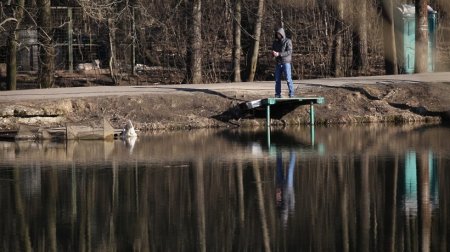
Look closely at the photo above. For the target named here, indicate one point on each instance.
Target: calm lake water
(358, 188)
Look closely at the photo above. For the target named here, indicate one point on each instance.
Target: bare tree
(390, 52)
(156, 34)
(256, 39)
(194, 49)
(336, 57)
(112, 50)
(237, 41)
(421, 56)
(17, 11)
(47, 62)
(110, 12)
(360, 60)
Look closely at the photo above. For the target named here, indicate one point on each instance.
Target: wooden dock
(299, 101)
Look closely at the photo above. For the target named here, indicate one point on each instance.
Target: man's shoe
(277, 96)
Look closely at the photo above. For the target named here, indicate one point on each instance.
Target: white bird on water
(129, 131)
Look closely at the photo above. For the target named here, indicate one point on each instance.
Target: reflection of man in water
(285, 197)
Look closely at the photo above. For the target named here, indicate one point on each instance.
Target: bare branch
(5, 21)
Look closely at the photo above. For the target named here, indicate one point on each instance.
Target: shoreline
(399, 99)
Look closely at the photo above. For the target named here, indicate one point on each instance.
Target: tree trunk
(336, 58)
(112, 51)
(194, 50)
(255, 48)
(360, 60)
(47, 66)
(421, 58)
(133, 42)
(11, 69)
(390, 52)
(237, 41)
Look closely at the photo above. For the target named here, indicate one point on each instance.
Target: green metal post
(312, 135)
(311, 114)
(268, 126)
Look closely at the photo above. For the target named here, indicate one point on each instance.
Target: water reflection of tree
(424, 203)
(50, 191)
(199, 197)
(23, 232)
(390, 223)
(363, 207)
(444, 206)
(261, 207)
(343, 202)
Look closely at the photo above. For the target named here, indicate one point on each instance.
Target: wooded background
(194, 41)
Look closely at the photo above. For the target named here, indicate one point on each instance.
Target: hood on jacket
(281, 32)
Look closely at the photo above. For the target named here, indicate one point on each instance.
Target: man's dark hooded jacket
(283, 46)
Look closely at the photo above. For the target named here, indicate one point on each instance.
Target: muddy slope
(404, 102)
